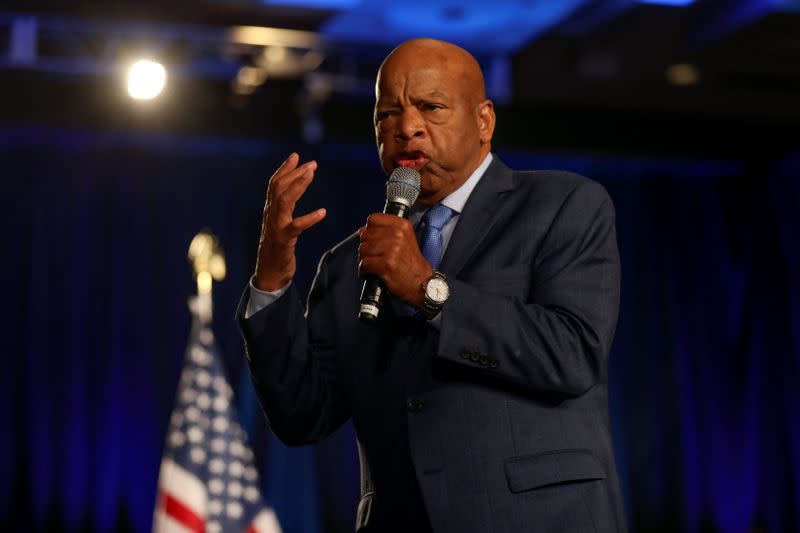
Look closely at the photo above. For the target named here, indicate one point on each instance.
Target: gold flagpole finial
(208, 262)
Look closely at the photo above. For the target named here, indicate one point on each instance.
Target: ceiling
(577, 67)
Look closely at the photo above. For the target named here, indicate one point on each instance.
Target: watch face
(437, 290)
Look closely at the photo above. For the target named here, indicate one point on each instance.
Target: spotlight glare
(146, 79)
(682, 74)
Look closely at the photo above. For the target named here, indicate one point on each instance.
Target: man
(479, 399)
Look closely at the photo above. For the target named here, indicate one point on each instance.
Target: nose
(410, 125)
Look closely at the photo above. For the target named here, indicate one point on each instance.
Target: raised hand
(276, 264)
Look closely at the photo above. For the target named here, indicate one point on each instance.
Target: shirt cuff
(436, 321)
(260, 299)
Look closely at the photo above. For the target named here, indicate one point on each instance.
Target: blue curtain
(704, 370)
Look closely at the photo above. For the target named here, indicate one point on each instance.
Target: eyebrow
(389, 101)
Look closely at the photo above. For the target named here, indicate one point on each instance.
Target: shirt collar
(457, 199)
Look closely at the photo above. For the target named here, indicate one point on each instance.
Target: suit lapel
(477, 218)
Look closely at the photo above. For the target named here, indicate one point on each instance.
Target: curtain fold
(704, 368)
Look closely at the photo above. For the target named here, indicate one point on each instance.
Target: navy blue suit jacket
(501, 417)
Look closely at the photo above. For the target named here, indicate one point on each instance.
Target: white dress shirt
(455, 200)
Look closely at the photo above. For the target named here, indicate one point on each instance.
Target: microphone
(402, 190)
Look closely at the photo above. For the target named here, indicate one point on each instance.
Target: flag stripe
(175, 479)
(265, 522)
(177, 510)
(163, 523)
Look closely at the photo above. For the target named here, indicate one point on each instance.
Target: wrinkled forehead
(417, 76)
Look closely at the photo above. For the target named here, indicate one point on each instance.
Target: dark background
(102, 195)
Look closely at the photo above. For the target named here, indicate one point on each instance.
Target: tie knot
(437, 216)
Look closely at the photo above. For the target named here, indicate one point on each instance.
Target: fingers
(300, 224)
(370, 249)
(381, 226)
(398, 230)
(286, 186)
(279, 184)
(288, 165)
(386, 220)
(276, 262)
(370, 265)
(288, 169)
(297, 186)
(386, 243)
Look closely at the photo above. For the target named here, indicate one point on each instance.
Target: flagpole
(208, 262)
(208, 480)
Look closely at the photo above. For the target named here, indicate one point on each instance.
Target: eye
(431, 107)
(381, 115)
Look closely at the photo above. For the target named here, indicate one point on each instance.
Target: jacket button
(484, 360)
(494, 363)
(414, 405)
(464, 354)
(474, 357)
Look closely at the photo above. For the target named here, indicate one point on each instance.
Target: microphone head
(403, 186)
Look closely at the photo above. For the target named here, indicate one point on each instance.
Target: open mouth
(416, 160)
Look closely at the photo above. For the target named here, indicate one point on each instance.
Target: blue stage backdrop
(704, 369)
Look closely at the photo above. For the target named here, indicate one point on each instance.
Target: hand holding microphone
(389, 255)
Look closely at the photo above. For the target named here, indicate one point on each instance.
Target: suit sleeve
(294, 364)
(556, 338)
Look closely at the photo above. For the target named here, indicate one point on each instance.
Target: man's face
(427, 120)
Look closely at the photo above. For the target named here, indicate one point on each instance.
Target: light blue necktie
(431, 242)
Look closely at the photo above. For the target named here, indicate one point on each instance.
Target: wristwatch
(436, 290)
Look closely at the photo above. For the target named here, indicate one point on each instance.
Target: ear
(486, 120)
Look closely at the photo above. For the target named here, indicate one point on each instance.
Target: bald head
(461, 66)
(431, 114)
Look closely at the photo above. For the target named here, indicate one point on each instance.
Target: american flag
(208, 481)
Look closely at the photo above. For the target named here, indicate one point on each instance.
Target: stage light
(682, 74)
(146, 79)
